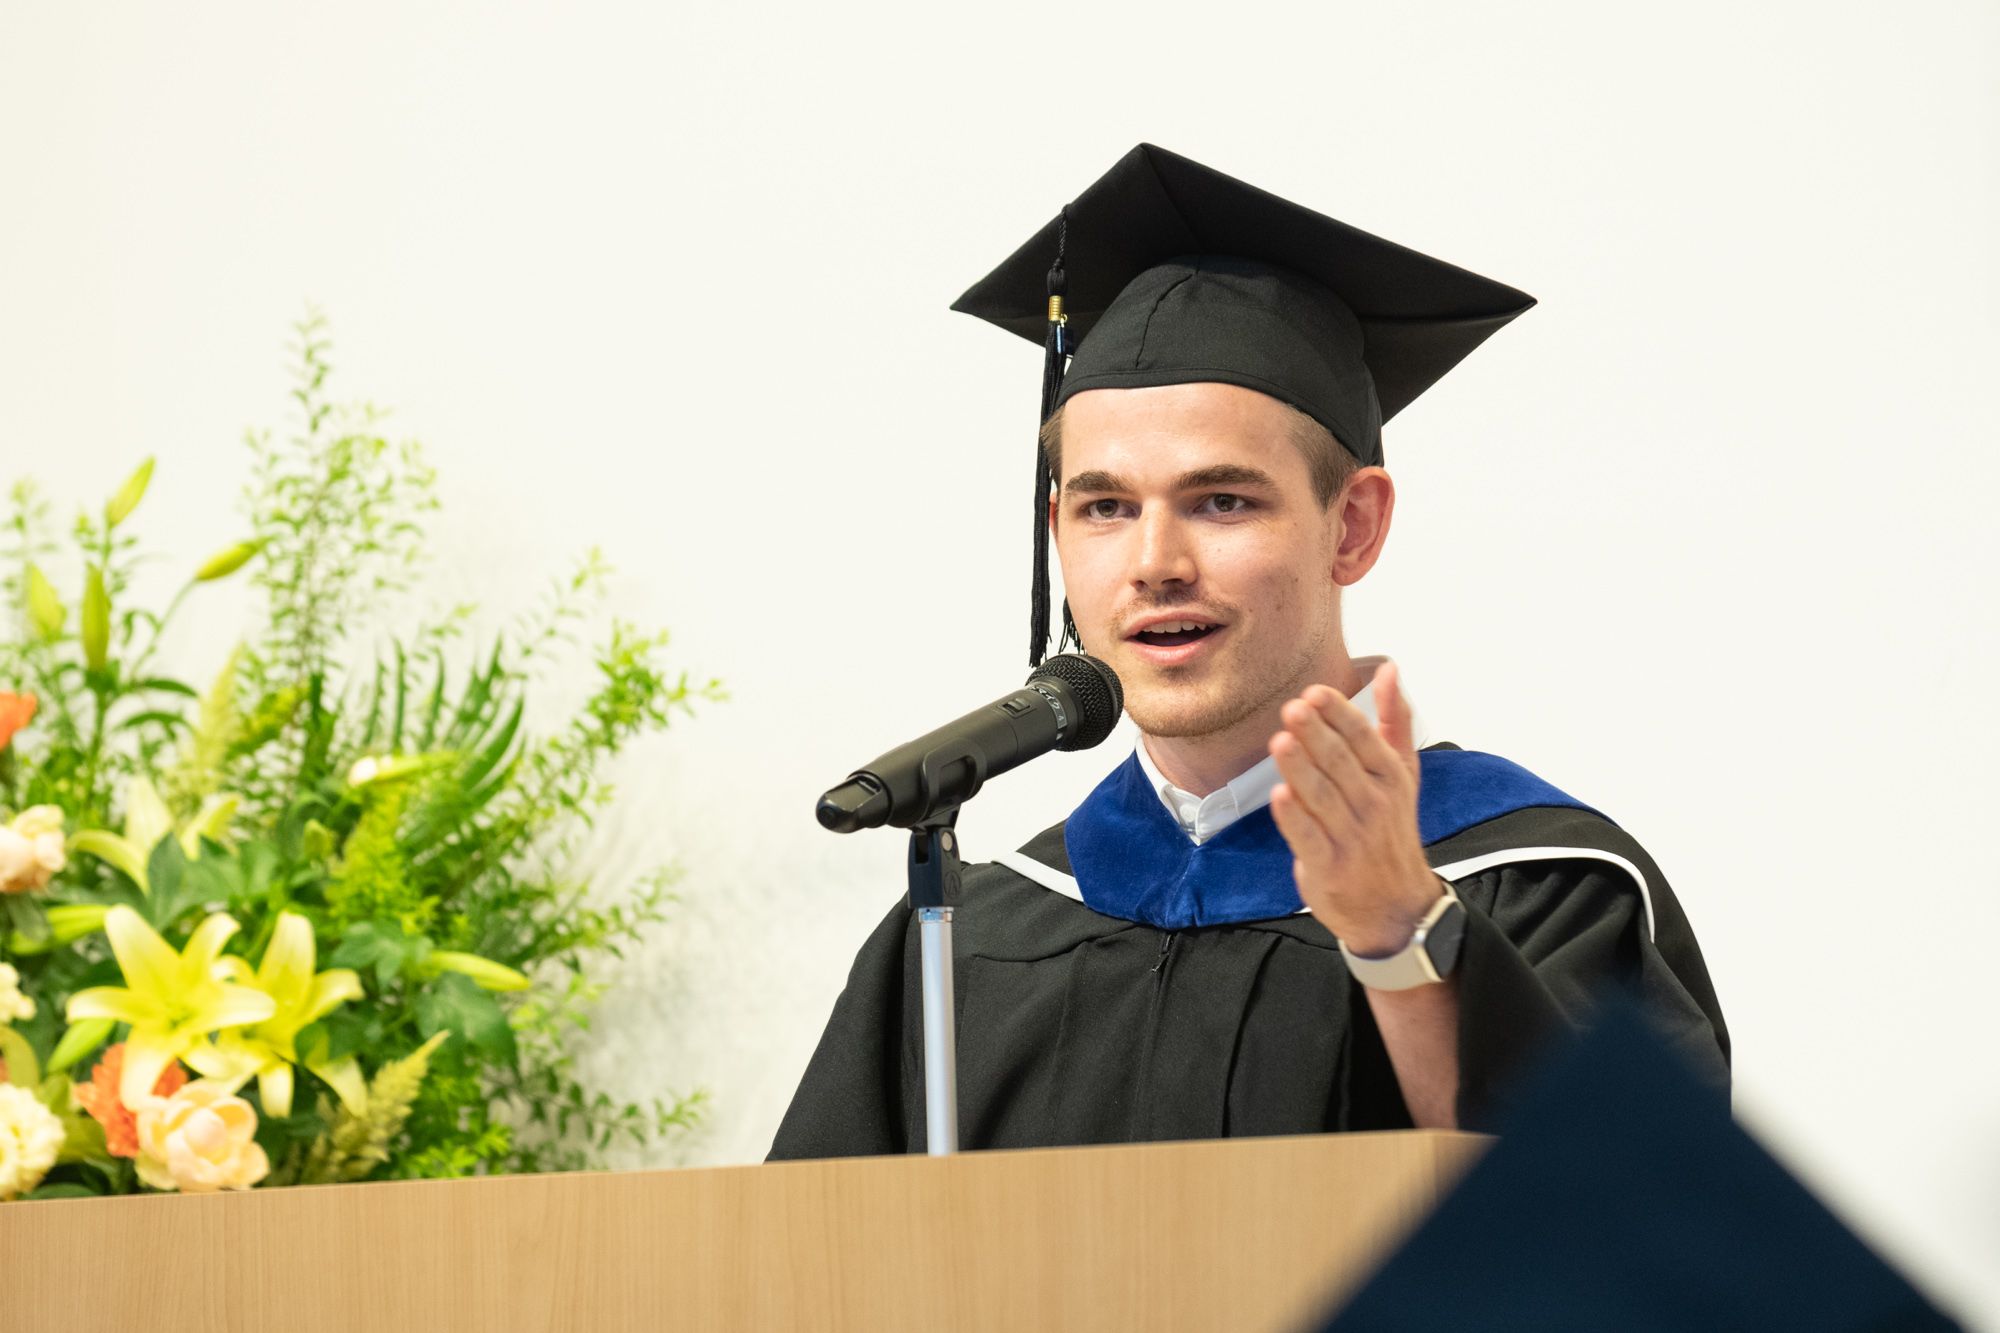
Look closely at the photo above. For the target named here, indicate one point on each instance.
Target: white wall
(1704, 538)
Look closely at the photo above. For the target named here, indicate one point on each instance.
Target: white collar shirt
(1202, 817)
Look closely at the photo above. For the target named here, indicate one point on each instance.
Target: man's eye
(1228, 504)
(1101, 509)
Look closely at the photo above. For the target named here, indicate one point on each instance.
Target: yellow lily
(172, 1000)
(226, 562)
(268, 1050)
(489, 974)
(147, 820)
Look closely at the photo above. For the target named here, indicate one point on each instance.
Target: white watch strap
(1411, 965)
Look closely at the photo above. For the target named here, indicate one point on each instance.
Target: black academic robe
(1076, 1027)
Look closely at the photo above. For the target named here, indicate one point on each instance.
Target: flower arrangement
(320, 920)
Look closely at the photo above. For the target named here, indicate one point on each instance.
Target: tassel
(1055, 352)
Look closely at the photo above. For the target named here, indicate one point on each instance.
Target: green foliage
(404, 798)
(339, 511)
(354, 1145)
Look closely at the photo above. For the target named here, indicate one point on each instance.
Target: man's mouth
(1173, 633)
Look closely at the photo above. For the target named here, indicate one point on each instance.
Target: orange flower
(15, 710)
(100, 1098)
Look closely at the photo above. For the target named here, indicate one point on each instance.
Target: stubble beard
(1224, 700)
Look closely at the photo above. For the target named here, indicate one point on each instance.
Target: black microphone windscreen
(1099, 697)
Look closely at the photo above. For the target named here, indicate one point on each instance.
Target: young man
(1288, 911)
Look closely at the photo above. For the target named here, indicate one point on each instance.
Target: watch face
(1445, 939)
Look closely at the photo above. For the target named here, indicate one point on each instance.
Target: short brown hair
(1327, 461)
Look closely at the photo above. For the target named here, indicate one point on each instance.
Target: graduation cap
(1165, 271)
(1622, 1196)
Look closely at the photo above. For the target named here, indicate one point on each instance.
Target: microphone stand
(934, 876)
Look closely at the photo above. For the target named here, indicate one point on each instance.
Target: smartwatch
(1429, 956)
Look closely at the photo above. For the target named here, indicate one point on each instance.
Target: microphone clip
(934, 863)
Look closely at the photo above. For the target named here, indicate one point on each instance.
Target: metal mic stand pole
(934, 873)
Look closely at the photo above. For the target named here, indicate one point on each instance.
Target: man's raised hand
(1348, 807)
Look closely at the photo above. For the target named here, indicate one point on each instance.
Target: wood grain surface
(1235, 1234)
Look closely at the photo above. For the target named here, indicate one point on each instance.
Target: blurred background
(1704, 538)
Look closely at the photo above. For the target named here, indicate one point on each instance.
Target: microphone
(1071, 702)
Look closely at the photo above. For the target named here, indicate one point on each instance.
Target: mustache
(1133, 615)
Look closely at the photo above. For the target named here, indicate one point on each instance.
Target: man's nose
(1164, 555)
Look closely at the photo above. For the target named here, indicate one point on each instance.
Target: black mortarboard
(1621, 1195)
(1165, 271)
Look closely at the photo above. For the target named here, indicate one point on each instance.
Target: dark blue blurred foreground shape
(1622, 1196)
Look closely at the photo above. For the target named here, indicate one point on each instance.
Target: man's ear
(1360, 516)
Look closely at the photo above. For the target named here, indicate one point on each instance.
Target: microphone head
(1094, 688)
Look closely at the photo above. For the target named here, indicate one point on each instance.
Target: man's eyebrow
(1219, 474)
(1094, 482)
(1223, 474)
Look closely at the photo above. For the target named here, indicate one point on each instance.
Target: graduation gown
(1116, 982)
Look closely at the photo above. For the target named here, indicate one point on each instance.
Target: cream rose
(17, 861)
(13, 1004)
(198, 1140)
(30, 1138)
(31, 849)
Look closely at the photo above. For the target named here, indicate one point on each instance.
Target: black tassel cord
(1055, 351)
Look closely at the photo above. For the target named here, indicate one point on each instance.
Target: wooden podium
(1229, 1234)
